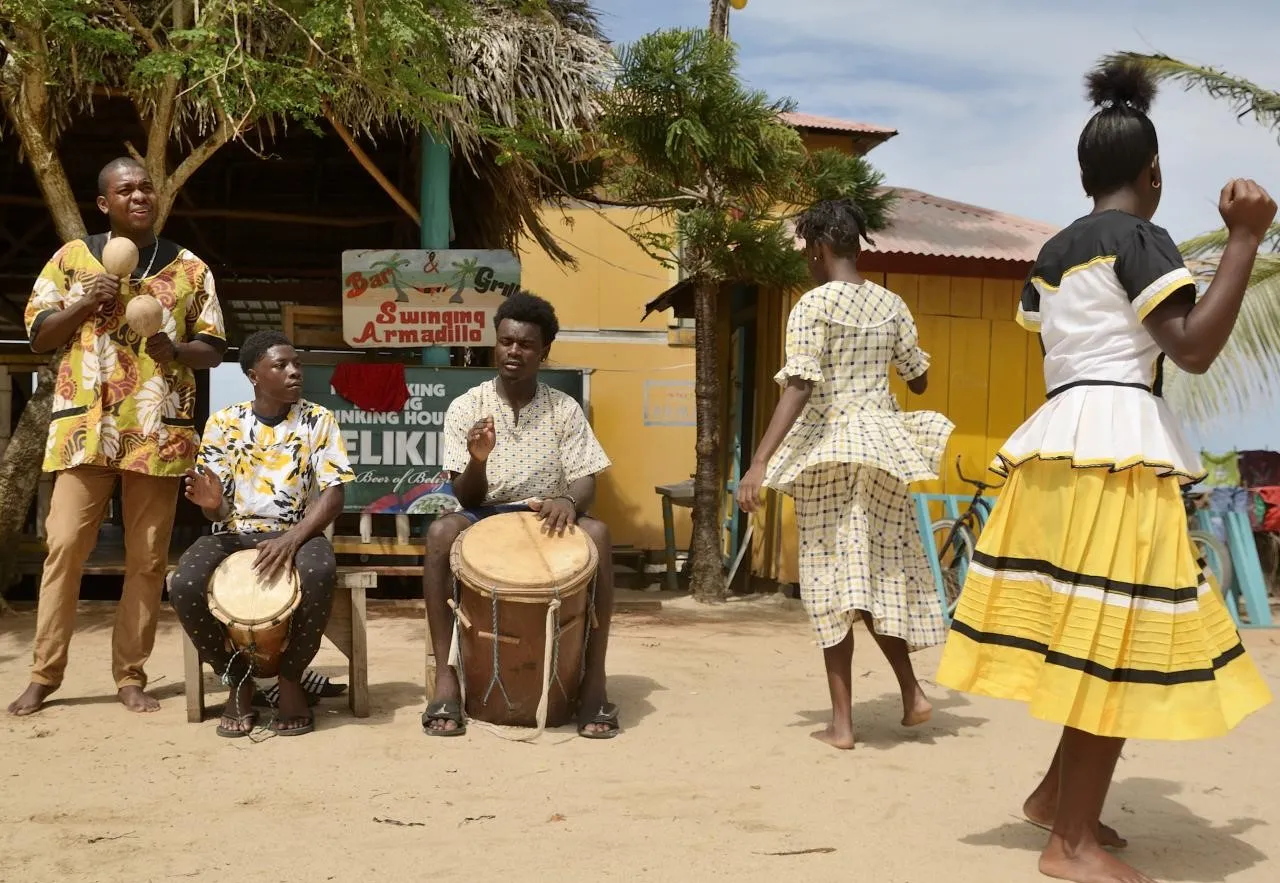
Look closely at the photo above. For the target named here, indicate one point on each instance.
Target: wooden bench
(347, 630)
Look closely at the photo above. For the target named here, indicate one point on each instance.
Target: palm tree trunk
(20, 473)
(708, 483)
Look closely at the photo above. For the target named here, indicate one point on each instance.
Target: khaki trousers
(79, 501)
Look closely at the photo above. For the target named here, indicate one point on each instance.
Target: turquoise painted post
(433, 203)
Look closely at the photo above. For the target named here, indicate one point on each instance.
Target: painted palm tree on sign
(464, 273)
(393, 265)
(1252, 356)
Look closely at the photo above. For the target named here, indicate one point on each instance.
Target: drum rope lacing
(550, 663)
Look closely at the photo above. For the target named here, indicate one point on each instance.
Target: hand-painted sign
(412, 298)
(396, 454)
(669, 403)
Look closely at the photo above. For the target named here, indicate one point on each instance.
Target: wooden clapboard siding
(985, 375)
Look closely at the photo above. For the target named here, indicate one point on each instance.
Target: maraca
(119, 256)
(144, 315)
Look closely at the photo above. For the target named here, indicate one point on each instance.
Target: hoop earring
(1155, 185)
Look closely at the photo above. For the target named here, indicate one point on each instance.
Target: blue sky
(988, 99)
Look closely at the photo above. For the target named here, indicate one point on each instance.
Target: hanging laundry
(1228, 499)
(1223, 469)
(371, 387)
(1260, 469)
(1257, 510)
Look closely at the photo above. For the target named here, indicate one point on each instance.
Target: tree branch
(369, 166)
(136, 25)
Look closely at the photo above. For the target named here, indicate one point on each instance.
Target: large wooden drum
(256, 612)
(511, 575)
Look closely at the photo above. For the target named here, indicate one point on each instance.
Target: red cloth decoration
(371, 387)
(1271, 521)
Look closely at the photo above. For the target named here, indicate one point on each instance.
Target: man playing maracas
(123, 411)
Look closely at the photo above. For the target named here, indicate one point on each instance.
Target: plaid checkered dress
(848, 460)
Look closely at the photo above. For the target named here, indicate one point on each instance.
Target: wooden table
(678, 494)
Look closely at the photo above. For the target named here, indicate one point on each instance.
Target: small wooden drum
(255, 612)
(511, 575)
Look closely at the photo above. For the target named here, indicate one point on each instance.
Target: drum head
(510, 551)
(238, 596)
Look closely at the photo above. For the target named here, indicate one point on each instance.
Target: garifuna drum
(523, 615)
(255, 611)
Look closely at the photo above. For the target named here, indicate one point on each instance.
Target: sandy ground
(713, 779)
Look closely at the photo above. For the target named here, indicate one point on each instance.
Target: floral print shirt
(113, 406)
(271, 473)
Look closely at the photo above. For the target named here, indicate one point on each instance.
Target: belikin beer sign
(412, 298)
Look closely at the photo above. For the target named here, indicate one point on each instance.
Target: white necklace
(155, 249)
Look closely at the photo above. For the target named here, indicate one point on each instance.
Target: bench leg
(669, 540)
(431, 664)
(359, 662)
(194, 675)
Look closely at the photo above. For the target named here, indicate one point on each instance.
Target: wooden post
(433, 197)
(6, 408)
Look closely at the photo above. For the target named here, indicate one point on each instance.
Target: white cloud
(988, 95)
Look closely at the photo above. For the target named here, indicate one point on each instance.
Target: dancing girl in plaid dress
(839, 445)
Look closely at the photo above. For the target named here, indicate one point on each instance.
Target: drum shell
(521, 636)
(264, 638)
(267, 643)
(521, 646)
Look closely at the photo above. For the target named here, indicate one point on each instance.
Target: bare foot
(916, 708)
(1042, 817)
(836, 737)
(135, 700)
(1086, 864)
(31, 700)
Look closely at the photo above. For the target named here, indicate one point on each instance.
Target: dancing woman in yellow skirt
(1085, 599)
(838, 444)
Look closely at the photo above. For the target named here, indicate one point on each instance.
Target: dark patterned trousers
(188, 593)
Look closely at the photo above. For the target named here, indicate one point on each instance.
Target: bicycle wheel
(1216, 556)
(955, 544)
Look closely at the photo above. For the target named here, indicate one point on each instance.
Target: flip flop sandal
(608, 716)
(249, 721)
(282, 728)
(444, 710)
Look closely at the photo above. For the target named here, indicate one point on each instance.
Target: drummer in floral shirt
(513, 443)
(123, 413)
(270, 478)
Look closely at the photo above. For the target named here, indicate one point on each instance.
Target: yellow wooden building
(960, 269)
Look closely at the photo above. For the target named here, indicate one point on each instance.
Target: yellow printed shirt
(113, 406)
(535, 457)
(271, 473)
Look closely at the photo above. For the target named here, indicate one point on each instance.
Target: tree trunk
(708, 484)
(718, 23)
(20, 473)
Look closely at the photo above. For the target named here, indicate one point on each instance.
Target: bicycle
(1214, 553)
(960, 539)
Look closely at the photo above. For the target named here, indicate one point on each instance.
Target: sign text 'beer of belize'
(412, 298)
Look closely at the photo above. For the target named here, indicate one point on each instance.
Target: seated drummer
(510, 444)
(269, 476)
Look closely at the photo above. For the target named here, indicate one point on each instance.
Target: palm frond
(1245, 97)
(1213, 242)
(1245, 371)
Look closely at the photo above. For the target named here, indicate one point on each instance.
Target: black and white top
(1090, 290)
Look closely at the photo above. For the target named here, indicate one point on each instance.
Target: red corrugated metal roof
(924, 224)
(831, 124)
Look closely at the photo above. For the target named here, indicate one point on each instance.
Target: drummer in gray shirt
(514, 444)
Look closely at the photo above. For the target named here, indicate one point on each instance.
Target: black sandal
(444, 710)
(283, 728)
(248, 721)
(608, 716)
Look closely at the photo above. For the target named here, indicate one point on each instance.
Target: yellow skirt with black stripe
(1086, 601)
